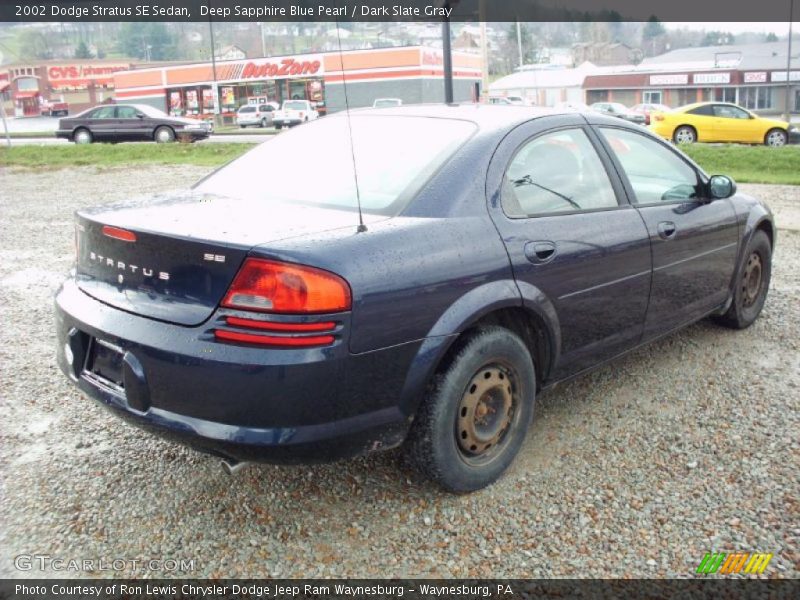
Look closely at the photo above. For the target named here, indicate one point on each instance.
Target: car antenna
(361, 226)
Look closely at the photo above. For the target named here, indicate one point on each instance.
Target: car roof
(486, 116)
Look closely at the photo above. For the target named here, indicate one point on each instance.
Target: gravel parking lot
(687, 446)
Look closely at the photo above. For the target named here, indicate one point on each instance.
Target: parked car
(260, 116)
(54, 108)
(571, 106)
(615, 109)
(501, 100)
(387, 102)
(482, 257)
(130, 122)
(648, 109)
(294, 112)
(721, 122)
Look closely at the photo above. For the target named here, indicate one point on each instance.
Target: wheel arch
(522, 309)
(170, 127)
(690, 126)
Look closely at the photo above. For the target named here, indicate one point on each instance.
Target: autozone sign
(286, 67)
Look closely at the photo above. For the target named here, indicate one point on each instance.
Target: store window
(297, 90)
(797, 99)
(652, 97)
(755, 97)
(726, 95)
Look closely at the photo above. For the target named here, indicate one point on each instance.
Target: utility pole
(788, 111)
(448, 60)
(519, 43)
(214, 87)
(263, 41)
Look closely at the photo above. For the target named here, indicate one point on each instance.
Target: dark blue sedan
(293, 308)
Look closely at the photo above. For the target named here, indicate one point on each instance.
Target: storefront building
(753, 76)
(80, 83)
(413, 74)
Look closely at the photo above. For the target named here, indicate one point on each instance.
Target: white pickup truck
(294, 112)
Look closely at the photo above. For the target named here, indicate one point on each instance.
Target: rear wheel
(263, 123)
(775, 137)
(278, 126)
(82, 136)
(685, 134)
(752, 284)
(164, 135)
(476, 412)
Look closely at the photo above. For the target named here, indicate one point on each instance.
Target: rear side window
(655, 172)
(555, 173)
(704, 111)
(247, 109)
(265, 108)
(107, 112)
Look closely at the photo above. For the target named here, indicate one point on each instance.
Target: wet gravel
(686, 446)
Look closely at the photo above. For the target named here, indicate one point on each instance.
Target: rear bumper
(794, 137)
(256, 404)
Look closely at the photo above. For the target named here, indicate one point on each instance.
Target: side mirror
(139, 115)
(721, 186)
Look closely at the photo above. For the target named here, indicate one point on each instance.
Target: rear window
(313, 165)
(701, 110)
(295, 106)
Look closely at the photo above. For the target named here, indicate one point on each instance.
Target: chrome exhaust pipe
(232, 467)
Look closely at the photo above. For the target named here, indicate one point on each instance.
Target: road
(214, 139)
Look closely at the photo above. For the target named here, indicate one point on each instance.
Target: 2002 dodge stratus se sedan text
(501, 252)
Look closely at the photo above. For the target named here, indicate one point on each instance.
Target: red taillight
(119, 234)
(271, 340)
(271, 286)
(281, 327)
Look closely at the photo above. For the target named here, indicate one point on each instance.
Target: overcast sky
(734, 28)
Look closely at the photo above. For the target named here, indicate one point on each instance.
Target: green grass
(749, 164)
(27, 134)
(109, 155)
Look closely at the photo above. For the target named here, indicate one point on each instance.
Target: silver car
(259, 116)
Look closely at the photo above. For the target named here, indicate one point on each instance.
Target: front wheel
(473, 420)
(164, 135)
(775, 138)
(82, 136)
(685, 135)
(752, 284)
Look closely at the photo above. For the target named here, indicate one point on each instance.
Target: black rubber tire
(776, 130)
(82, 136)
(168, 130)
(432, 447)
(689, 128)
(278, 127)
(263, 123)
(739, 316)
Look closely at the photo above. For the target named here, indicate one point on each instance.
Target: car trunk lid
(173, 257)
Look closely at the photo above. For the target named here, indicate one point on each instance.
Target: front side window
(554, 173)
(655, 172)
(126, 112)
(726, 111)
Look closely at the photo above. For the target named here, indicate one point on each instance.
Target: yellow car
(719, 122)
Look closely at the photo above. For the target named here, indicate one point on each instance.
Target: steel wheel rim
(486, 412)
(684, 136)
(752, 280)
(775, 139)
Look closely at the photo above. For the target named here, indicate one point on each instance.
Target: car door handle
(666, 230)
(540, 252)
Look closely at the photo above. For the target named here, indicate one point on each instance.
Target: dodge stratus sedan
(497, 252)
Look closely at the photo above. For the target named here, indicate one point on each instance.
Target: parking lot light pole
(789, 66)
(214, 86)
(5, 123)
